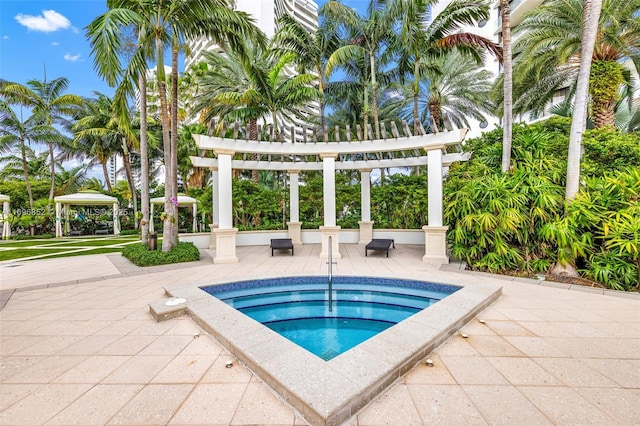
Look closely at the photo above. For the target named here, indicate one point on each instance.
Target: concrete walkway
(78, 346)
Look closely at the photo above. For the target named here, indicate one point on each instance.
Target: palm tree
(254, 89)
(70, 181)
(454, 86)
(311, 49)
(549, 54)
(49, 104)
(419, 46)
(590, 19)
(162, 25)
(507, 73)
(13, 165)
(370, 35)
(16, 134)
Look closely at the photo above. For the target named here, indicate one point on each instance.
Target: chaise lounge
(281, 244)
(379, 244)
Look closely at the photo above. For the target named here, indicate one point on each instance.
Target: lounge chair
(379, 244)
(281, 244)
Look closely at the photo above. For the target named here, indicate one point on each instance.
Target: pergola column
(215, 208)
(329, 201)
(225, 234)
(195, 217)
(294, 225)
(67, 209)
(366, 225)
(435, 235)
(151, 228)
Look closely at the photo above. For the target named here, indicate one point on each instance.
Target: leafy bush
(29, 237)
(142, 256)
(130, 232)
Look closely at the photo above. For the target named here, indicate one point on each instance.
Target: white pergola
(84, 198)
(4, 219)
(363, 155)
(183, 201)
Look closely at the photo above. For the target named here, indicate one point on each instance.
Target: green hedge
(142, 256)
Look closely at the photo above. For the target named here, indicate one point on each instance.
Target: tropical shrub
(401, 203)
(142, 256)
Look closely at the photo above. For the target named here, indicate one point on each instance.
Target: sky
(36, 35)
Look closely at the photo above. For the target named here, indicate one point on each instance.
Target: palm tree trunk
(591, 15)
(105, 172)
(253, 135)
(132, 186)
(167, 227)
(416, 95)
(435, 110)
(52, 188)
(323, 120)
(25, 170)
(174, 133)
(144, 161)
(374, 95)
(507, 116)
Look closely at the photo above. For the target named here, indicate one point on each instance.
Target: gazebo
(6, 228)
(183, 201)
(84, 198)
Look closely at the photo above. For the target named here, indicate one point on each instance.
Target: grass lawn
(59, 247)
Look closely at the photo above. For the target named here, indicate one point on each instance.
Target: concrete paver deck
(87, 351)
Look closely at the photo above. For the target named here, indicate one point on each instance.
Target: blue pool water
(299, 309)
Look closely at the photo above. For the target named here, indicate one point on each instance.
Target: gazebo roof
(183, 200)
(86, 197)
(4, 197)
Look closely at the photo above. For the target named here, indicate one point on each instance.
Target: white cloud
(49, 21)
(71, 58)
(55, 43)
(5, 37)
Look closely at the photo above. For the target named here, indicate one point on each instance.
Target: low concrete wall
(308, 236)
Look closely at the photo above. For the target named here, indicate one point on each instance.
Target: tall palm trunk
(507, 116)
(168, 225)
(323, 120)
(132, 187)
(52, 188)
(435, 110)
(416, 95)
(374, 95)
(25, 171)
(144, 161)
(105, 172)
(253, 135)
(174, 134)
(590, 16)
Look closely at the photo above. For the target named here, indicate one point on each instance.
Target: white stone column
(226, 233)
(215, 205)
(116, 219)
(366, 225)
(329, 201)
(6, 228)
(435, 235)
(195, 217)
(294, 225)
(67, 225)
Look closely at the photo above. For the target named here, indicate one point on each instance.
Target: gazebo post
(195, 217)
(329, 200)
(226, 233)
(116, 220)
(67, 212)
(294, 225)
(151, 229)
(6, 229)
(366, 225)
(215, 208)
(58, 221)
(435, 235)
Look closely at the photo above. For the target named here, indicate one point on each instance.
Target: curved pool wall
(331, 392)
(299, 308)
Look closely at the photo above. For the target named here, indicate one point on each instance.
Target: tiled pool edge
(331, 392)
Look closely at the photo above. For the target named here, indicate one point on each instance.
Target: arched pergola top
(90, 198)
(183, 200)
(4, 198)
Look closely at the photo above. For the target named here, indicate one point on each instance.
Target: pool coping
(331, 392)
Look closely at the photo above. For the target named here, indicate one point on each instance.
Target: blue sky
(36, 34)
